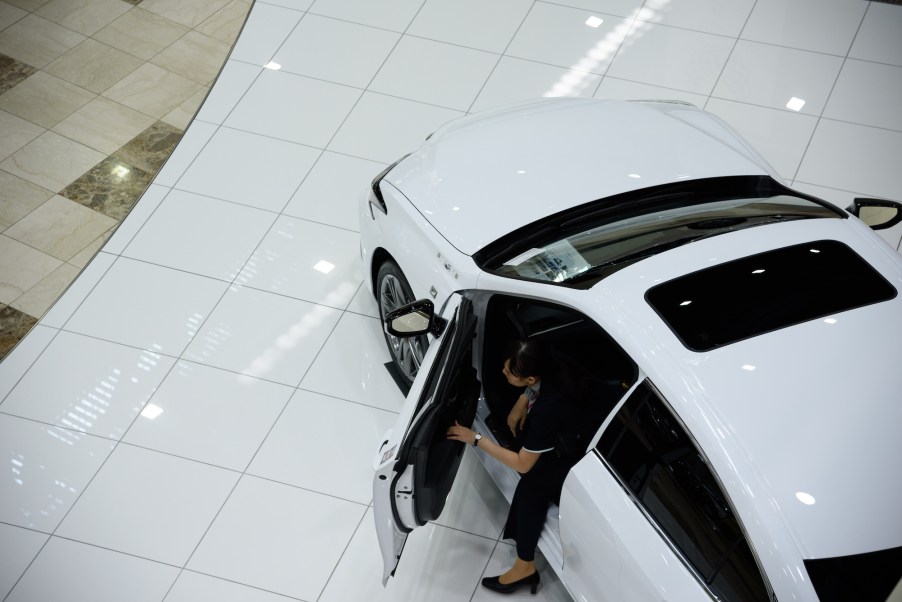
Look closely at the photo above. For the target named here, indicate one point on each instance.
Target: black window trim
(652, 521)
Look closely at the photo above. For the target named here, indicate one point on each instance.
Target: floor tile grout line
(633, 17)
(220, 578)
(342, 555)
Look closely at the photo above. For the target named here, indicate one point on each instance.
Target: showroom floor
(195, 418)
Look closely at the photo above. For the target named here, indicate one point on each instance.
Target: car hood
(482, 176)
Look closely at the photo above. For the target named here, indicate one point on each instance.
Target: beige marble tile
(37, 300)
(226, 23)
(182, 115)
(141, 33)
(51, 161)
(103, 125)
(60, 227)
(152, 90)
(93, 66)
(28, 5)
(81, 259)
(189, 13)
(21, 267)
(84, 16)
(195, 56)
(18, 198)
(37, 41)
(45, 99)
(16, 133)
(9, 14)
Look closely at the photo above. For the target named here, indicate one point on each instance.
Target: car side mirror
(879, 214)
(414, 319)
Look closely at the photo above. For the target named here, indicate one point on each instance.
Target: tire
(393, 291)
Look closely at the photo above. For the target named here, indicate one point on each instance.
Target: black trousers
(537, 489)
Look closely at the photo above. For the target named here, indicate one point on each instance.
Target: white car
(745, 440)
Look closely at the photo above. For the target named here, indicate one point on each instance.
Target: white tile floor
(194, 419)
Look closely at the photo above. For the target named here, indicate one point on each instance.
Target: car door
(416, 463)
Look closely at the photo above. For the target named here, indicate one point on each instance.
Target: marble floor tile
(12, 72)
(233, 81)
(267, 27)
(28, 5)
(181, 116)
(150, 149)
(38, 299)
(152, 90)
(63, 309)
(84, 16)
(189, 13)
(141, 33)
(44, 457)
(21, 267)
(192, 142)
(326, 48)
(36, 41)
(203, 414)
(149, 504)
(20, 546)
(51, 161)
(110, 188)
(58, 573)
(331, 191)
(15, 365)
(14, 325)
(17, 132)
(9, 14)
(225, 24)
(103, 125)
(516, 79)
(83, 257)
(437, 73)
(93, 66)
(18, 198)
(302, 533)
(60, 227)
(285, 457)
(45, 99)
(194, 56)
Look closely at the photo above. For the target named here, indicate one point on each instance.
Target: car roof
(812, 410)
(479, 177)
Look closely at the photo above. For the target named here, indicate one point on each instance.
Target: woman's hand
(517, 418)
(461, 433)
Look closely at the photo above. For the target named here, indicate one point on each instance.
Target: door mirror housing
(414, 319)
(879, 214)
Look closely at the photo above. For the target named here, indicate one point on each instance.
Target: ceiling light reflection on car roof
(748, 367)
(324, 266)
(805, 498)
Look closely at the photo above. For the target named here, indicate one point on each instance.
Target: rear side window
(659, 464)
(765, 292)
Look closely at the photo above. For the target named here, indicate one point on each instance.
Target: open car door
(416, 464)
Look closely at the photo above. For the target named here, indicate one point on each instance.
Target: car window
(761, 293)
(581, 246)
(656, 460)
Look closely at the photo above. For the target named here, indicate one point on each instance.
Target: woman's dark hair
(530, 357)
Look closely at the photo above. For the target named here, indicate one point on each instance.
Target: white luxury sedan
(744, 340)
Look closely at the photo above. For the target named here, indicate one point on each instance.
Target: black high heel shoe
(495, 585)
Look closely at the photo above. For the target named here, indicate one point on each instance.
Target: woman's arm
(522, 462)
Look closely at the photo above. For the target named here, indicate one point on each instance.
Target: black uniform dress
(551, 415)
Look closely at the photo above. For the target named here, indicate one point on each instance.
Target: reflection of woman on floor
(545, 409)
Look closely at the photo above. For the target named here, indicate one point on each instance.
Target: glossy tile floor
(194, 419)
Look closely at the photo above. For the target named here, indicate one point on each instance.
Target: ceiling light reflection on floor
(795, 104)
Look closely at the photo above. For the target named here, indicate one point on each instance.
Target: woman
(546, 409)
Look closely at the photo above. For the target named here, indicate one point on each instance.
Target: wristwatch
(476, 440)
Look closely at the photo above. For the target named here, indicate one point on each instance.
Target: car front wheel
(393, 292)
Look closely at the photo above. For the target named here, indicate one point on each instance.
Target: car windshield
(606, 236)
